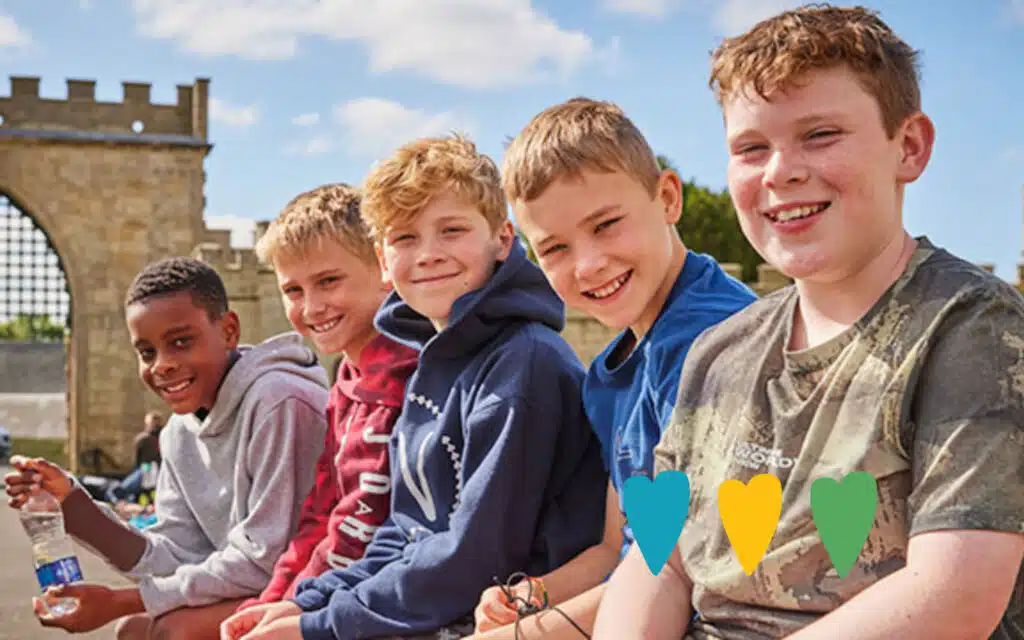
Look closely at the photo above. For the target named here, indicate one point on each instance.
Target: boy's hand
(32, 474)
(280, 629)
(243, 623)
(495, 610)
(93, 610)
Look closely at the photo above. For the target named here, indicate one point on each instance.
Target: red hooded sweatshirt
(352, 493)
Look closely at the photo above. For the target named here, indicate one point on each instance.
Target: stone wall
(33, 385)
(35, 415)
(32, 367)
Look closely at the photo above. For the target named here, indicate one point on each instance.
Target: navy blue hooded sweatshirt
(494, 467)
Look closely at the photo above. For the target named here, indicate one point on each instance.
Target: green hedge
(49, 448)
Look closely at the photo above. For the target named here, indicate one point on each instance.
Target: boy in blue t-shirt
(600, 215)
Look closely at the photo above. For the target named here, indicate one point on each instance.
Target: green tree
(33, 327)
(709, 224)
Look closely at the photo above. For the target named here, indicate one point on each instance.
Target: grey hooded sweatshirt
(231, 486)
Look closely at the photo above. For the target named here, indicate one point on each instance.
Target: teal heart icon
(656, 512)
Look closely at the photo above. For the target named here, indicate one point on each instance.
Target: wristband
(538, 584)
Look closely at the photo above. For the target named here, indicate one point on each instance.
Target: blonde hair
(777, 52)
(399, 188)
(565, 139)
(329, 212)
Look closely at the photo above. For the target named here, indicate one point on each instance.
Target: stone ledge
(92, 137)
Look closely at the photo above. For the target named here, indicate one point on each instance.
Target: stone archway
(109, 199)
(114, 186)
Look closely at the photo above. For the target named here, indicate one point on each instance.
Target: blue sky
(312, 91)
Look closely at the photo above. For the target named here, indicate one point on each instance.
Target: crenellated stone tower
(113, 186)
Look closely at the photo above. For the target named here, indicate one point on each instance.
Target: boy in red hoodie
(331, 285)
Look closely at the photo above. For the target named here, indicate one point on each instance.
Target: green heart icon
(844, 512)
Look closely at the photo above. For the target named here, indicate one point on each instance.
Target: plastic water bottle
(52, 553)
(150, 471)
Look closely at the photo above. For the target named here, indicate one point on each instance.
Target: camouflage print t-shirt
(925, 393)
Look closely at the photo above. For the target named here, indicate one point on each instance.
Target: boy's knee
(134, 627)
(193, 623)
(172, 627)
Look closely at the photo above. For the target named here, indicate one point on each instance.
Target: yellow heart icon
(750, 513)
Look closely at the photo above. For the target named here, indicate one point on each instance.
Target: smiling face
(606, 246)
(817, 182)
(331, 296)
(445, 251)
(183, 354)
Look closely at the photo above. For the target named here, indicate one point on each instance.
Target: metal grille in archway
(32, 279)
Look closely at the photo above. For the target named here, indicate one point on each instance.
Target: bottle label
(63, 571)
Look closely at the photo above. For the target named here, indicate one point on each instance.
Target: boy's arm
(573, 583)
(637, 604)
(243, 566)
(956, 584)
(549, 624)
(174, 540)
(589, 568)
(506, 441)
(87, 521)
(312, 529)
(966, 509)
(387, 546)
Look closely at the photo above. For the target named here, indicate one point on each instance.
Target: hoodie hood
(517, 292)
(384, 366)
(284, 353)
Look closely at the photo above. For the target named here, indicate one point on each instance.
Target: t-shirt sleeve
(967, 446)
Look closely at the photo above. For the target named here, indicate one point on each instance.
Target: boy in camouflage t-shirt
(887, 356)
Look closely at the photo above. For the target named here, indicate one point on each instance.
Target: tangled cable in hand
(526, 607)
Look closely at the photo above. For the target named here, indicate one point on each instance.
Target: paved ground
(18, 583)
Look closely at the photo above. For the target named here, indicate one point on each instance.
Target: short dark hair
(179, 274)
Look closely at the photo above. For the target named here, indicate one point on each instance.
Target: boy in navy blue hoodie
(495, 469)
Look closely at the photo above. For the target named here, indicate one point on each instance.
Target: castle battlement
(25, 109)
(226, 259)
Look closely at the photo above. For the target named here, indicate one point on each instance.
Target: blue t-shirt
(629, 405)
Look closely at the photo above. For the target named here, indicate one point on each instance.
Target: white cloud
(733, 17)
(482, 44)
(241, 228)
(306, 120)
(11, 35)
(645, 8)
(728, 17)
(317, 145)
(85, 5)
(375, 127)
(235, 116)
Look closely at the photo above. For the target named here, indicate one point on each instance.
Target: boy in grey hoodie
(239, 456)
